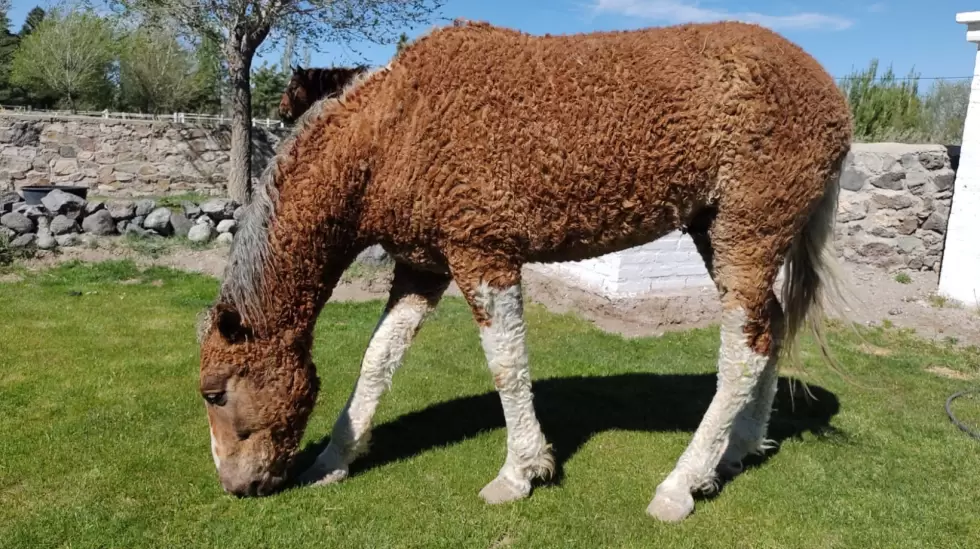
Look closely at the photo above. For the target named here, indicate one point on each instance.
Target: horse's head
(297, 97)
(259, 392)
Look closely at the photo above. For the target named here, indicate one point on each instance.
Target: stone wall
(121, 158)
(894, 205)
(893, 210)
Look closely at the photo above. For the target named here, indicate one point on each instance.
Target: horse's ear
(230, 325)
(297, 69)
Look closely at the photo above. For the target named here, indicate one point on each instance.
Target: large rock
(63, 225)
(17, 222)
(144, 207)
(23, 241)
(219, 208)
(180, 224)
(122, 209)
(100, 223)
(45, 240)
(158, 220)
(67, 240)
(225, 239)
(191, 210)
(60, 202)
(200, 232)
(92, 207)
(227, 226)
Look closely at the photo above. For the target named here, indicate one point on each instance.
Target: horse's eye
(216, 398)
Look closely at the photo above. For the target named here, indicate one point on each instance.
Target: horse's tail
(812, 274)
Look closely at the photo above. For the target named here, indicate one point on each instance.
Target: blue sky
(841, 34)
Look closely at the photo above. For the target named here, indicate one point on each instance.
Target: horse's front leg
(494, 294)
(413, 295)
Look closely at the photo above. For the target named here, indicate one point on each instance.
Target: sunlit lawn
(104, 441)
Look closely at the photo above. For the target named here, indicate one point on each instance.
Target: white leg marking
(749, 430)
(528, 453)
(351, 432)
(214, 450)
(739, 370)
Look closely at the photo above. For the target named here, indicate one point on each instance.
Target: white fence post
(960, 273)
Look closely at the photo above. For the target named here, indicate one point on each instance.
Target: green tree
(242, 26)
(210, 77)
(8, 45)
(402, 42)
(884, 107)
(71, 55)
(156, 72)
(945, 111)
(268, 83)
(32, 21)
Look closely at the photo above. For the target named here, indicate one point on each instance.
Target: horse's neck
(311, 242)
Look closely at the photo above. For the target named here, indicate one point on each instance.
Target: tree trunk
(240, 176)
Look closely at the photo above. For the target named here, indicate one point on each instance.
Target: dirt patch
(877, 297)
(943, 371)
(10, 278)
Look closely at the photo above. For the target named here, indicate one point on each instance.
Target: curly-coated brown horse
(479, 149)
(307, 86)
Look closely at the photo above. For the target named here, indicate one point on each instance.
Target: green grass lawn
(104, 441)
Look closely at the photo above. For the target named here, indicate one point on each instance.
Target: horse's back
(559, 145)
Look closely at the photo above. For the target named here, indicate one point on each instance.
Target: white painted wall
(668, 265)
(960, 274)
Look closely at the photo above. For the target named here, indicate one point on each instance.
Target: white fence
(178, 117)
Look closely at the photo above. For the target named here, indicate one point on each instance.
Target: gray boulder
(121, 226)
(67, 240)
(60, 202)
(138, 220)
(23, 240)
(45, 240)
(17, 222)
(191, 210)
(225, 239)
(100, 223)
(227, 226)
(92, 207)
(122, 209)
(204, 220)
(200, 232)
(180, 224)
(63, 225)
(33, 212)
(159, 221)
(144, 207)
(219, 208)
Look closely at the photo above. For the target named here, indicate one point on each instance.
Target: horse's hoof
(671, 506)
(503, 490)
(331, 477)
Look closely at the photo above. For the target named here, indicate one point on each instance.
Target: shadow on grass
(573, 409)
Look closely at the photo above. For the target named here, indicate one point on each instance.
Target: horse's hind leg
(749, 431)
(744, 267)
(494, 294)
(413, 295)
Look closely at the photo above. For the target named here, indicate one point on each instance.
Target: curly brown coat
(480, 149)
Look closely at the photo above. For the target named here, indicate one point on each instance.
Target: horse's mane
(249, 256)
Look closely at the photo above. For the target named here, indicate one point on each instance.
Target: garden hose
(958, 423)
